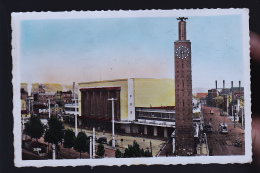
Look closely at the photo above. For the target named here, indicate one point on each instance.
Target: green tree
(101, 150)
(118, 153)
(54, 133)
(69, 139)
(81, 143)
(34, 128)
(135, 151)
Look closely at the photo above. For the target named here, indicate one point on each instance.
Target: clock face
(182, 52)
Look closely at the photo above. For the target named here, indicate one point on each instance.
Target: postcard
(131, 87)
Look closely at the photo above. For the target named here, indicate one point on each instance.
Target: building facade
(132, 96)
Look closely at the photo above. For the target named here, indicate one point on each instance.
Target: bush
(118, 154)
(81, 143)
(135, 151)
(101, 150)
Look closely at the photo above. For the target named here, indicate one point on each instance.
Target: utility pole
(23, 137)
(113, 122)
(90, 148)
(49, 108)
(76, 118)
(94, 148)
(227, 105)
(29, 107)
(32, 107)
(53, 151)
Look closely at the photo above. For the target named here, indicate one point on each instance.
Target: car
(238, 143)
(207, 127)
(223, 128)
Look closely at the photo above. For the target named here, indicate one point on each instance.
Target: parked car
(238, 143)
(207, 127)
(102, 139)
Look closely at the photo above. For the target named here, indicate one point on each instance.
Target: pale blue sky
(82, 50)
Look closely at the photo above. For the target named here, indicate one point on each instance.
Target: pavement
(64, 153)
(223, 144)
(126, 139)
(123, 141)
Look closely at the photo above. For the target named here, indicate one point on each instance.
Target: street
(223, 144)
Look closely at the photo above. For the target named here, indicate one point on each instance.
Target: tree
(54, 133)
(135, 151)
(81, 143)
(34, 128)
(118, 153)
(69, 139)
(101, 150)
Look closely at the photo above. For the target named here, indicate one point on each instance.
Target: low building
(45, 97)
(67, 97)
(211, 96)
(59, 97)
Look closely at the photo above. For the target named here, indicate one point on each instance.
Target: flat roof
(102, 81)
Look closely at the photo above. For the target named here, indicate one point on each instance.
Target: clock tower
(184, 138)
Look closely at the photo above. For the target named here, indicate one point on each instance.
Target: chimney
(232, 85)
(239, 85)
(216, 84)
(223, 84)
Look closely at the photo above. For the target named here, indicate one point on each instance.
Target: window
(130, 104)
(130, 112)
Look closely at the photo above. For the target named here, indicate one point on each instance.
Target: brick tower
(184, 144)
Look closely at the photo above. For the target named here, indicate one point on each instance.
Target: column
(145, 129)
(101, 104)
(165, 132)
(155, 130)
(109, 104)
(118, 105)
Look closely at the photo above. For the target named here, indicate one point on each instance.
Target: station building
(143, 106)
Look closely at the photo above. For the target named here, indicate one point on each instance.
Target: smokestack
(232, 85)
(223, 84)
(216, 84)
(239, 85)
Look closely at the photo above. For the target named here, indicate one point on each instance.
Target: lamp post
(90, 148)
(49, 108)
(113, 122)
(94, 144)
(76, 119)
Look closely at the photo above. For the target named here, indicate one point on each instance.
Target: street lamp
(113, 122)
(76, 118)
(49, 108)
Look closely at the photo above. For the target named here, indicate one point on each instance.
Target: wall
(154, 92)
(113, 83)
(126, 127)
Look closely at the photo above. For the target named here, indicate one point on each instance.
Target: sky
(92, 49)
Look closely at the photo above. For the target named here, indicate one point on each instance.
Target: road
(223, 144)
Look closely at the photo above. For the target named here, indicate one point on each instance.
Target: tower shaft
(183, 94)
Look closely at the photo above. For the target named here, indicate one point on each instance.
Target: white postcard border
(16, 23)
